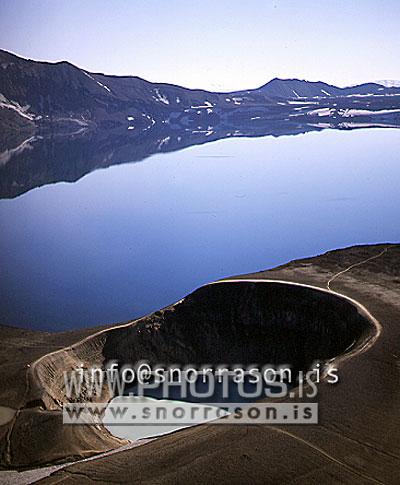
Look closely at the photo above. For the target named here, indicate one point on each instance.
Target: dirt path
(349, 268)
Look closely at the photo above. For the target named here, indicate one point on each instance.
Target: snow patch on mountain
(97, 82)
(206, 104)
(322, 111)
(361, 112)
(21, 110)
(237, 100)
(160, 97)
(104, 86)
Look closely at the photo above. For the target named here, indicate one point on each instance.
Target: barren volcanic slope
(356, 439)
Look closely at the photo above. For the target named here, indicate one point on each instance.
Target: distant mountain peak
(389, 83)
(300, 88)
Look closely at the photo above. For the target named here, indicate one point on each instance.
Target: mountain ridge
(6, 53)
(292, 86)
(273, 80)
(61, 97)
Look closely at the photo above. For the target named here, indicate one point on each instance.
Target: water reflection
(133, 238)
(36, 160)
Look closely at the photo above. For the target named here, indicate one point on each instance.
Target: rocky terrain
(261, 316)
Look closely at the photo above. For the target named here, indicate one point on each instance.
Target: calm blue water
(130, 239)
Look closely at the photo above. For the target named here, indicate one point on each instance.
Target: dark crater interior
(243, 323)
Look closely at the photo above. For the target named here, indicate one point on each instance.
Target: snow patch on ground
(104, 86)
(89, 76)
(98, 82)
(321, 125)
(321, 112)
(203, 132)
(152, 121)
(163, 142)
(206, 104)
(359, 95)
(160, 97)
(21, 110)
(346, 113)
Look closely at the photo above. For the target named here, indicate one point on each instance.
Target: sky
(219, 45)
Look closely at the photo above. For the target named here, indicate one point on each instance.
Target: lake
(129, 239)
